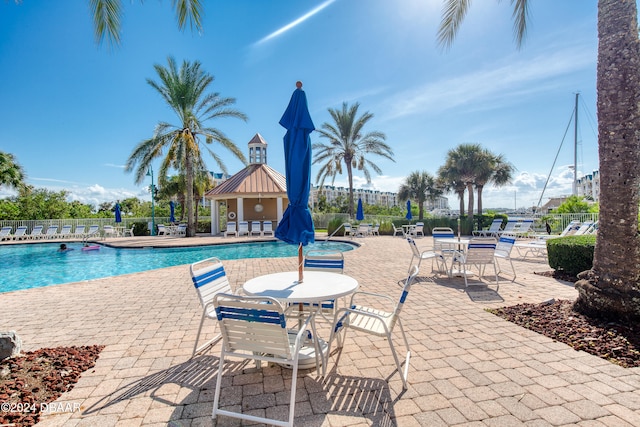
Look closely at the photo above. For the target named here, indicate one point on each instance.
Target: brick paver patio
(468, 367)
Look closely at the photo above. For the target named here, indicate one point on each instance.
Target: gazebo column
(215, 217)
(240, 213)
(279, 210)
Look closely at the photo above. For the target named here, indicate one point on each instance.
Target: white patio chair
(109, 231)
(491, 231)
(379, 320)
(318, 260)
(243, 228)
(422, 255)
(447, 250)
(209, 279)
(255, 328)
(375, 230)
(418, 229)
(231, 229)
(348, 230)
(362, 230)
(397, 230)
(255, 228)
(479, 254)
(267, 228)
(503, 251)
(128, 232)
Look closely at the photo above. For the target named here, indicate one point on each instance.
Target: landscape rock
(10, 344)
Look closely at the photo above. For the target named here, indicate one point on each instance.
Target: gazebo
(256, 193)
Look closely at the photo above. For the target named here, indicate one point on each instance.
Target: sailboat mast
(575, 148)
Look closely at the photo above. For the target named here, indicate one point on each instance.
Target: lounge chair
(231, 229)
(21, 233)
(52, 232)
(253, 328)
(79, 231)
(267, 228)
(255, 228)
(5, 233)
(569, 230)
(510, 227)
(378, 320)
(94, 231)
(65, 231)
(584, 228)
(491, 231)
(522, 228)
(243, 228)
(375, 230)
(162, 231)
(181, 231)
(36, 233)
(209, 278)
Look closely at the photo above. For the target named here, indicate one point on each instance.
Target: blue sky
(72, 111)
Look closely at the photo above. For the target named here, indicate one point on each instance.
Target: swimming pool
(36, 265)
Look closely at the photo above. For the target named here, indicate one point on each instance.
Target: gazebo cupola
(257, 150)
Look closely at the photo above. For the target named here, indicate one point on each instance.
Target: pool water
(35, 265)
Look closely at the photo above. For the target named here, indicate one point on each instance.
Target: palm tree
(419, 186)
(448, 181)
(492, 169)
(612, 287)
(11, 173)
(346, 144)
(463, 164)
(184, 91)
(108, 13)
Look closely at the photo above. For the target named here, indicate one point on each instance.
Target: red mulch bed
(29, 381)
(616, 342)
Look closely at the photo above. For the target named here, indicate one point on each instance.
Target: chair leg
(403, 373)
(216, 397)
(209, 343)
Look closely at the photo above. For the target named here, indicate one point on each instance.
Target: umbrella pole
(300, 263)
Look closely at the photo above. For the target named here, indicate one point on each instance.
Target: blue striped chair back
(324, 261)
(209, 278)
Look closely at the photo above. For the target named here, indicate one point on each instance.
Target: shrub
(140, 229)
(571, 254)
(333, 225)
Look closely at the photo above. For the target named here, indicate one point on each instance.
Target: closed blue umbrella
(296, 225)
(360, 211)
(172, 209)
(409, 216)
(118, 214)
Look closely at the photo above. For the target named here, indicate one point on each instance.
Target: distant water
(40, 264)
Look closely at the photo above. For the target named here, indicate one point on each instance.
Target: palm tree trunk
(611, 287)
(461, 200)
(479, 190)
(191, 227)
(470, 204)
(350, 175)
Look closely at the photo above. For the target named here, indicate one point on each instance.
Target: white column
(240, 213)
(279, 210)
(215, 217)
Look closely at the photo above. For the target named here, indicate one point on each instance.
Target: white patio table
(457, 244)
(317, 286)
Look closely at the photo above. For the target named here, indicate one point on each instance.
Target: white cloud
(294, 23)
(484, 87)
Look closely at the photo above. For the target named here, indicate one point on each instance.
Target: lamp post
(153, 194)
